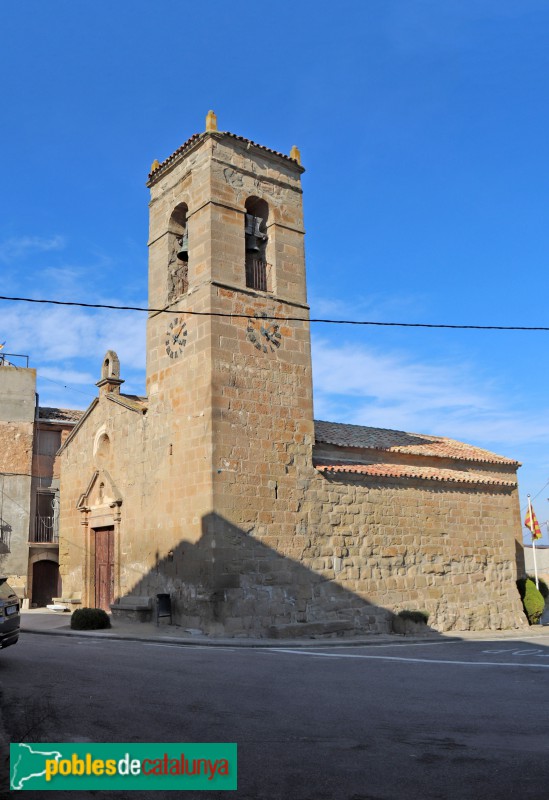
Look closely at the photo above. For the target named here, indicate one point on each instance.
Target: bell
(183, 252)
(254, 236)
(253, 224)
(252, 244)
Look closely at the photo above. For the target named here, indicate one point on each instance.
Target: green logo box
(156, 766)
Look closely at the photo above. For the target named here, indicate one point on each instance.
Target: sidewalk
(43, 621)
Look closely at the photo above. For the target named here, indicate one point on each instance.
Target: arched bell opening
(255, 230)
(178, 265)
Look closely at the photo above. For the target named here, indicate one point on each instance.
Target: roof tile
(393, 441)
(195, 138)
(413, 471)
(59, 414)
(131, 401)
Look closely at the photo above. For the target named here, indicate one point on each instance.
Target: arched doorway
(46, 582)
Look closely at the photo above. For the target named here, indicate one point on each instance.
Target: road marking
(188, 646)
(411, 660)
(526, 652)
(538, 653)
(88, 641)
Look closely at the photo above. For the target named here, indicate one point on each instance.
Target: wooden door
(104, 568)
(45, 582)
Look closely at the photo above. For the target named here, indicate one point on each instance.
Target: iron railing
(45, 531)
(6, 359)
(256, 274)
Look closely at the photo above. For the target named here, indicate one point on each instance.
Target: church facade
(219, 488)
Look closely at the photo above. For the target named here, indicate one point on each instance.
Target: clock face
(264, 334)
(176, 337)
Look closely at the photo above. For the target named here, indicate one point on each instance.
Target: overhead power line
(523, 509)
(66, 386)
(281, 319)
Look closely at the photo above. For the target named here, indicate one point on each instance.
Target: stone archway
(46, 582)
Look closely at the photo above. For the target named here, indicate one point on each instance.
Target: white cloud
(374, 307)
(73, 376)
(353, 383)
(67, 345)
(19, 247)
(62, 397)
(356, 384)
(361, 372)
(63, 282)
(52, 334)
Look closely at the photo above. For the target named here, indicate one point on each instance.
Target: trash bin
(163, 607)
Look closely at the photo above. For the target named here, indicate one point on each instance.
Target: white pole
(532, 531)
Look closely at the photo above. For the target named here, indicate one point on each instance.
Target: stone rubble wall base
(249, 613)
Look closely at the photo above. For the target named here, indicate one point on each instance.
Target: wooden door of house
(104, 568)
(45, 582)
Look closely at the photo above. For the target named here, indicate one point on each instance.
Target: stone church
(219, 488)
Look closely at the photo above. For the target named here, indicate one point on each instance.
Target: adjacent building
(30, 436)
(219, 488)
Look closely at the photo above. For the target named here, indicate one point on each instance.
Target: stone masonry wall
(123, 468)
(15, 492)
(451, 552)
(362, 550)
(17, 409)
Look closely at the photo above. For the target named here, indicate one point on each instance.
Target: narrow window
(256, 216)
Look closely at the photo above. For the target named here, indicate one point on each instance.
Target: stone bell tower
(228, 364)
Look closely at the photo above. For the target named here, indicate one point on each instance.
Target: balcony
(46, 531)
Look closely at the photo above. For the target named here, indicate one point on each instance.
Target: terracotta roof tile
(131, 401)
(59, 414)
(393, 441)
(413, 471)
(185, 146)
(197, 136)
(261, 146)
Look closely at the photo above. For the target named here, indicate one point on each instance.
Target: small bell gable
(110, 374)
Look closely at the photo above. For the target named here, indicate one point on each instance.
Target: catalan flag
(532, 524)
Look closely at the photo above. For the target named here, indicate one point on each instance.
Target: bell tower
(228, 358)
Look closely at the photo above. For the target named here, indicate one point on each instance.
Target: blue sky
(422, 125)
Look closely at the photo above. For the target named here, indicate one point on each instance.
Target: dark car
(9, 614)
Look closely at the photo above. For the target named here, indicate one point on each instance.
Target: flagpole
(533, 542)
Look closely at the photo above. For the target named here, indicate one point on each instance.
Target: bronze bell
(254, 236)
(183, 252)
(252, 244)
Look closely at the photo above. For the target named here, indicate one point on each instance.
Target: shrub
(521, 585)
(414, 616)
(544, 589)
(533, 602)
(89, 619)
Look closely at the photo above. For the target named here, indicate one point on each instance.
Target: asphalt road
(430, 720)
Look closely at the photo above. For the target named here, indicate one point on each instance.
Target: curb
(380, 639)
(238, 643)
